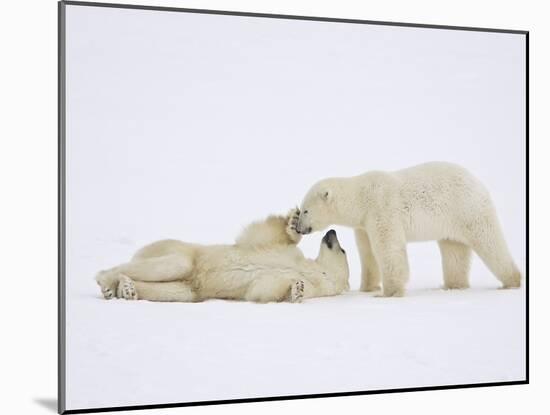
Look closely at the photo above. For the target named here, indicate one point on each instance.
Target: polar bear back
(440, 200)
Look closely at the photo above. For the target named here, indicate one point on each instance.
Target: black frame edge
(292, 17)
(527, 205)
(291, 397)
(61, 332)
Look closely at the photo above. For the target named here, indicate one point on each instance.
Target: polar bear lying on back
(432, 201)
(263, 265)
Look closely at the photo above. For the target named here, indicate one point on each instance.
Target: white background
(34, 196)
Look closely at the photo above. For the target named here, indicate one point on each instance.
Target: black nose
(305, 231)
(330, 238)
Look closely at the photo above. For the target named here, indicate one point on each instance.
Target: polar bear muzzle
(302, 228)
(331, 240)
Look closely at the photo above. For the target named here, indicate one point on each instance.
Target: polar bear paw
(392, 290)
(107, 284)
(292, 223)
(511, 281)
(126, 288)
(108, 293)
(297, 291)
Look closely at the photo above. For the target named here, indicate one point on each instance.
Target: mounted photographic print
(258, 207)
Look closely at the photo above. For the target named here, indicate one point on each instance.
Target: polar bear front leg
(268, 289)
(292, 223)
(275, 230)
(390, 251)
(296, 291)
(370, 275)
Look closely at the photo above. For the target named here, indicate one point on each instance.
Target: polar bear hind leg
(158, 269)
(456, 259)
(166, 291)
(488, 242)
(108, 282)
(116, 285)
(126, 288)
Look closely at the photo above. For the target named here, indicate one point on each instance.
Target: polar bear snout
(334, 261)
(331, 240)
(303, 231)
(302, 227)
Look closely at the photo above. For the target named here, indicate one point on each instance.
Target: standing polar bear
(263, 265)
(433, 201)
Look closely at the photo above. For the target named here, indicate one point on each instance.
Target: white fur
(264, 265)
(433, 201)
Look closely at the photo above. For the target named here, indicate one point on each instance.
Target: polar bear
(263, 265)
(433, 201)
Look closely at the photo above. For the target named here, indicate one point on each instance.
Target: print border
(61, 205)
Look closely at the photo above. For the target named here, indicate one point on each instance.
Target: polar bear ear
(325, 195)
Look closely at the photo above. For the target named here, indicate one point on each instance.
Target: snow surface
(136, 353)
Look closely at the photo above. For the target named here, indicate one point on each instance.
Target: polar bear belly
(227, 272)
(421, 225)
(426, 232)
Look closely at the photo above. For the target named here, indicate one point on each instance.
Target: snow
(138, 353)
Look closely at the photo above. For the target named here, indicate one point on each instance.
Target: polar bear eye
(305, 212)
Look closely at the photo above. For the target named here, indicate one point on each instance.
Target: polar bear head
(318, 209)
(333, 258)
